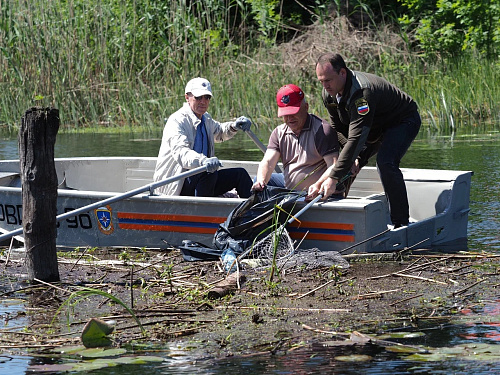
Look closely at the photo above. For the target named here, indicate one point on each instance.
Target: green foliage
(451, 27)
(83, 293)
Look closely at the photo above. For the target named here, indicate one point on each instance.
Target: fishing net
(276, 245)
(309, 259)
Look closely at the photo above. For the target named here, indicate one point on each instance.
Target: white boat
(439, 206)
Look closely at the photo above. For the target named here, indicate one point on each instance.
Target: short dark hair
(335, 60)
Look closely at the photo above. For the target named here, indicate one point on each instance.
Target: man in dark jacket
(371, 116)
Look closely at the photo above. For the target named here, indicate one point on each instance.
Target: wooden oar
(116, 198)
(260, 145)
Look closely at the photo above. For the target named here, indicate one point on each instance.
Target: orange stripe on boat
(164, 217)
(323, 237)
(322, 225)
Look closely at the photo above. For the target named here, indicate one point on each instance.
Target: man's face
(297, 121)
(332, 81)
(199, 105)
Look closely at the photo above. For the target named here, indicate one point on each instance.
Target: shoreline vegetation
(381, 306)
(123, 65)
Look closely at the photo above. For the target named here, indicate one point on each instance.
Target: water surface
(477, 151)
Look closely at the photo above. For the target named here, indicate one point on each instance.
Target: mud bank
(298, 308)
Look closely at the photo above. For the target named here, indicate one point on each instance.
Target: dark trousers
(394, 145)
(217, 183)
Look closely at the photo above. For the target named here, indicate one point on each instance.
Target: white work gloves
(243, 123)
(212, 164)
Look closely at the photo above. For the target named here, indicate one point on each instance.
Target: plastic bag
(250, 219)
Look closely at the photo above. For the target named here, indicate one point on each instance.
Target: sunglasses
(207, 97)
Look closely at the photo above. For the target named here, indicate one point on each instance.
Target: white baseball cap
(199, 86)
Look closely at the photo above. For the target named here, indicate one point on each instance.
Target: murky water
(478, 152)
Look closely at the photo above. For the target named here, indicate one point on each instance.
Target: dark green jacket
(368, 106)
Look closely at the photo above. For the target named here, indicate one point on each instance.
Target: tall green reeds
(111, 62)
(458, 92)
(125, 63)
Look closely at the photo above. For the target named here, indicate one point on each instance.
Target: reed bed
(124, 64)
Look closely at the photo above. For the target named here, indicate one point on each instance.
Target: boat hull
(439, 204)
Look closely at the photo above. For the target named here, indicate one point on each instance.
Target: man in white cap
(188, 142)
(306, 144)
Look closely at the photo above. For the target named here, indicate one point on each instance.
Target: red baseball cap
(289, 98)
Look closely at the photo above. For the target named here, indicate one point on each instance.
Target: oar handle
(116, 198)
(307, 206)
(261, 146)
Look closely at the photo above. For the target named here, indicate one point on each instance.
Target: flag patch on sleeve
(362, 106)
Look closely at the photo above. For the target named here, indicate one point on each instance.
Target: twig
(420, 278)
(315, 289)
(410, 268)
(374, 294)
(132, 287)
(81, 256)
(425, 265)
(8, 253)
(413, 246)
(467, 288)
(51, 285)
(279, 308)
(317, 330)
(406, 299)
(366, 240)
(322, 286)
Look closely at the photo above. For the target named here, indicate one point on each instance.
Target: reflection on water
(478, 153)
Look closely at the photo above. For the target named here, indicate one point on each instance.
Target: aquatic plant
(84, 293)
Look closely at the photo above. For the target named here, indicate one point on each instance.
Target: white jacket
(176, 153)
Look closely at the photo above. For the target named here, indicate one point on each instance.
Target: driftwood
(226, 286)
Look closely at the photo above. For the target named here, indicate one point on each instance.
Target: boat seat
(10, 179)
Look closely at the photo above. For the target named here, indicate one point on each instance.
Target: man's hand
(312, 192)
(355, 168)
(212, 164)
(258, 186)
(328, 187)
(243, 123)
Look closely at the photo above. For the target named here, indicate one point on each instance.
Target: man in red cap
(306, 144)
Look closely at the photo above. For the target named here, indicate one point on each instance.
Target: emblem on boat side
(104, 218)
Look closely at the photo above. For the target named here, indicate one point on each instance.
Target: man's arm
(330, 161)
(266, 167)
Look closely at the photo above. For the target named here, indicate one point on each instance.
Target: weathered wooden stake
(37, 138)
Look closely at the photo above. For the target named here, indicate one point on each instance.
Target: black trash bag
(196, 251)
(250, 219)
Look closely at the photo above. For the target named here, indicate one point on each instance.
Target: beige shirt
(303, 155)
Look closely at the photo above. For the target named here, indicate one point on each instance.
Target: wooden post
(37, 138)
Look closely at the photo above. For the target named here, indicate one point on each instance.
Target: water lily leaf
(454, 350)
(481, 348)
(95, 333)
(51, 368)
(427, 357)
(101, 352)
(90, 365)
(400, 335)
(138, 360)
(403, 349)
(68, 349)
(354, 358)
